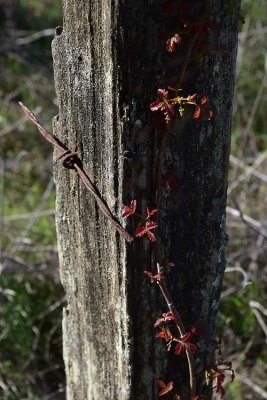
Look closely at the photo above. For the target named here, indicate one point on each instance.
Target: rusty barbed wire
(70, 160)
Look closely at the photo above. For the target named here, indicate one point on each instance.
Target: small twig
(249, 170)
(19, 217)
(50, 309)
(237, 268)
(35, 36)
(16, 124)
(259, 306)
(250, 222)
(257, 389)
(181, 329)
(258, 318)
(71, 160)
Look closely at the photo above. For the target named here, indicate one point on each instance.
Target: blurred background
(31, 297)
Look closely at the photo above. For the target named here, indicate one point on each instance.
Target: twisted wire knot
(69, 159)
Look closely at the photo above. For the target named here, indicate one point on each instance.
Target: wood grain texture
(108, 64)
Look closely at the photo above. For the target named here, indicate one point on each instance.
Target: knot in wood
(69, 159)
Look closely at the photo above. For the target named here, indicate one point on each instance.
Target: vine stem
(158, 179)
(163, 141)
(181, 329)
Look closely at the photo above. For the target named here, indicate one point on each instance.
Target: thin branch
(259, 318)
(256, 304)
(50, 309)
(250, 222)
(252, 32)
(237, 268)
(256, 388)
(35, 36)
(248, 170)
(19, 217)
(16, 124)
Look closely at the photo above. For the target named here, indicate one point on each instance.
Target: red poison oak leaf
(146, 230)
(129, 210)
(154, 278)
(197, 112)
(162, 93)
(150, 213)
(191, 97)
(163, 105)
(164, 334)
(219, 378)
(165, 318)
(165, 388)
(183, 344)
(217, 374)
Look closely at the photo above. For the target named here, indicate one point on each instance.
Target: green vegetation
(243, 308)
(30, 337)
(31, 297)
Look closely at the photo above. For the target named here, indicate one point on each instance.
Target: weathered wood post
(109, 61)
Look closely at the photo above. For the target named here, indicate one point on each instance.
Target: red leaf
(164, 334)
(157, 105)
(191, 347)
(163, 105)
(191, 97)
(161, 384)
(161, 334)
(162, 93)
(140, 231)
(129, 210)
(184, 344)
(151, 236)
(179, 349)
(203, 100)
(145, 230)
(219, 377)
(166, 317)
(153, 278)
(165, 388)
(150, 213)
(197, 112)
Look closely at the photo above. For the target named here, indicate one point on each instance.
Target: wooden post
(109, 61)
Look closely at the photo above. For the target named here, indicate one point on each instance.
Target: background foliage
(31, 365)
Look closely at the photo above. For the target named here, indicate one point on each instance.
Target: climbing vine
(193, 35)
